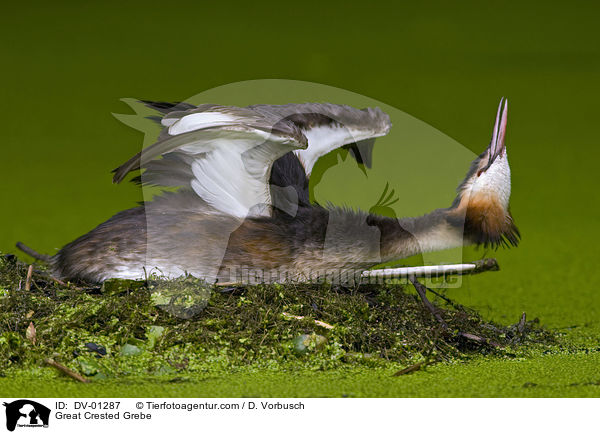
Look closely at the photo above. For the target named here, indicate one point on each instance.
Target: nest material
(264, 324)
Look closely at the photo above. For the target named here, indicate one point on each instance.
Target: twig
(478, 339)
(417, 366)
(472, 337)
(446, 299)
(317, 322)
(67, 371)
(228, 283)
(412, 368)
(67, 284)
(422, 291)
(60, 282)
(28, 280)
(522, 322)
(30, 333)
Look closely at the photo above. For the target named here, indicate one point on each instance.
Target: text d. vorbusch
(278, 405)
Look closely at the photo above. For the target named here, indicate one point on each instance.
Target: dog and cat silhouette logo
(26, 413)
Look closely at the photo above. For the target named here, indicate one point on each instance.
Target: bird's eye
(479, 172)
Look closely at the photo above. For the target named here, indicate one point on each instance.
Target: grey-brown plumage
(182, 232)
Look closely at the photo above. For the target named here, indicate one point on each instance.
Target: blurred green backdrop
(66, 65)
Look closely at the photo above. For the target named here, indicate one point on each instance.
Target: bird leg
(422, 291)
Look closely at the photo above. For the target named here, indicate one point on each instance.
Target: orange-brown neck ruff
(485, 220)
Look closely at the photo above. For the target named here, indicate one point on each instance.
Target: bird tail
(33, 253)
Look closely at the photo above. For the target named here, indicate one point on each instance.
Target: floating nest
(184, 325)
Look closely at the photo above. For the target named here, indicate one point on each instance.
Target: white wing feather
(326, 138)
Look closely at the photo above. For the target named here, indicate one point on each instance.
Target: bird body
(242, 210)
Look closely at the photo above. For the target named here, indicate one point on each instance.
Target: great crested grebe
(242, 201)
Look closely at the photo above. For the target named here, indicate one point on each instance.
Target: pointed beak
(497, 145)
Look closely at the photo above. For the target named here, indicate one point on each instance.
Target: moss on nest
(128, 327)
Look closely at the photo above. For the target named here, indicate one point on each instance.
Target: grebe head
(484, 195)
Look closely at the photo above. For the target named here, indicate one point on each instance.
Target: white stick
(317, 322)
(480, 266)
(434, 270)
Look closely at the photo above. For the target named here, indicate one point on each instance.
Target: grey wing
(228, 151)
(331, 126)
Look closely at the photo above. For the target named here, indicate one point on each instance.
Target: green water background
(66, 65)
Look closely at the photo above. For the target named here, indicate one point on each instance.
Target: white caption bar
(302, 415)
